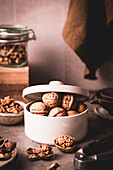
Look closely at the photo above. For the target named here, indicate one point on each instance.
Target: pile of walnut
(8, 105)
(44, 152)
(6, 148)
(65, 143)
(12, 54)
(56, 105)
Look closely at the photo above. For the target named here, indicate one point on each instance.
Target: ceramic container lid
(35, 92)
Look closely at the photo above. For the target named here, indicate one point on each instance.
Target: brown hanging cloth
(85, 31)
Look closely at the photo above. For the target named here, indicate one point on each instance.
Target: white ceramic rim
(41, 89)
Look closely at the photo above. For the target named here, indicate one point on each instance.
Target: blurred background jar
(13, 45)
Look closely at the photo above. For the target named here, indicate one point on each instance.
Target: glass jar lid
(16, 33)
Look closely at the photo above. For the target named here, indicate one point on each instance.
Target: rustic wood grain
(14, 75)
(13, 81)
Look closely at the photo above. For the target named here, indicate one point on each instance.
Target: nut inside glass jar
(13, 54)
(13, 44)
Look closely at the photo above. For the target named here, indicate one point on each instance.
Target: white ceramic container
(44, 129)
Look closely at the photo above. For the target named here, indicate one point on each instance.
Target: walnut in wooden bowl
(65, 143)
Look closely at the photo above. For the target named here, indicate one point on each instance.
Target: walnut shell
(71, 112)
(33, 157)
(81, 107)
(45, 147)
(51, 99)
(53, 166)
(6, 148)
(33, 150)
(7, 156)
(57, 112)
(43, 156)
(68, 102)
(61, 145)
(39, 108)
(44, 152)
(10, 146)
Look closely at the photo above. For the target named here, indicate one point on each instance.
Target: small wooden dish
(10, 163)
(68, 149)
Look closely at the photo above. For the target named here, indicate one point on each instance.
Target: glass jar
(13, 45)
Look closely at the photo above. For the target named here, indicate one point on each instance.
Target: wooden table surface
(97, 129)
(12, 82)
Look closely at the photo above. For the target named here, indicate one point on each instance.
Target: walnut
(39, 108)
(6, 148)
(10, 146)
(13, 54)
(71, 112)
(7, 156)
(81, 107)
(53, 166)
(45, 148)
(33, 157)
(57, 112)
(32, 150)
(68, 102)
(51, 99)
(65, 143)
(44, 152)
(8, 105)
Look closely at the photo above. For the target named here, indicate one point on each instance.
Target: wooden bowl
(68, 149)
(10, 163)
